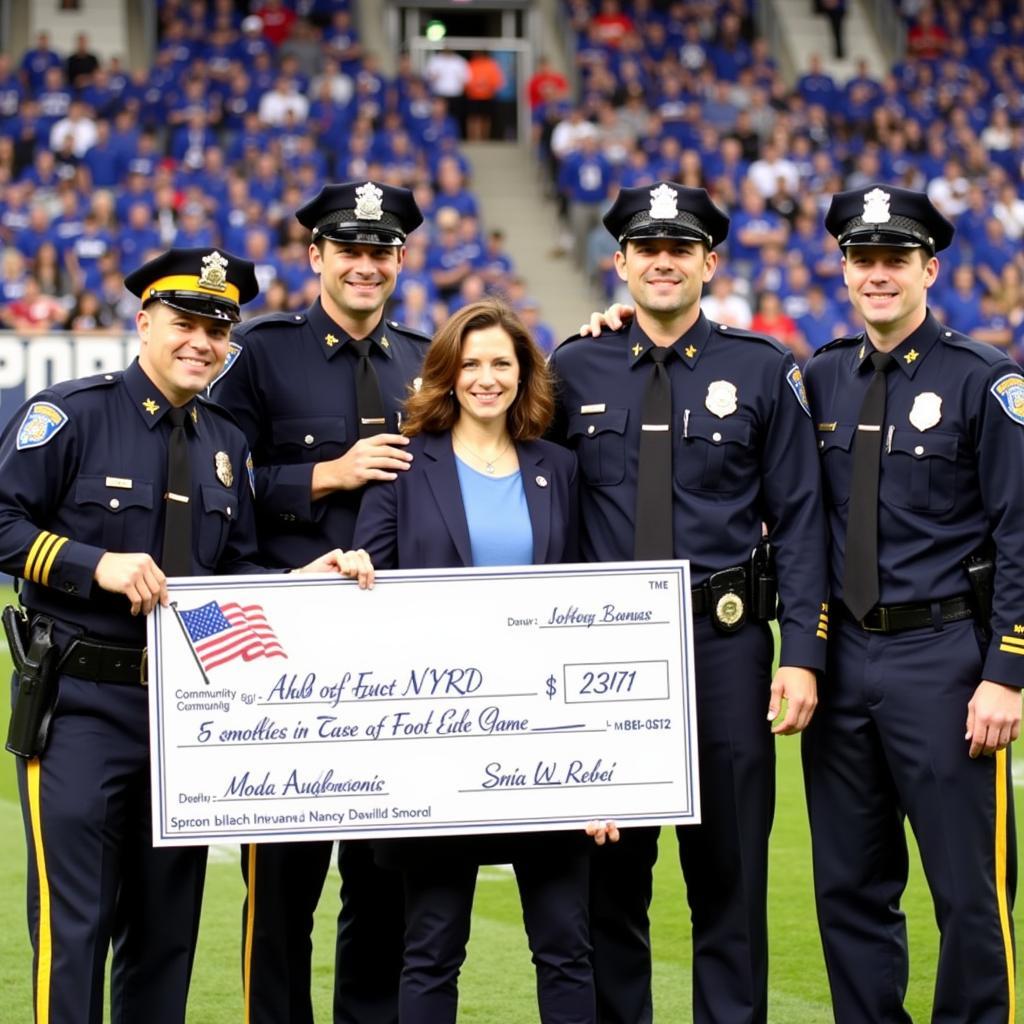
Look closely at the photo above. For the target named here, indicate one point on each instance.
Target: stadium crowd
(239, 120)
(688, 92)
(243, 114)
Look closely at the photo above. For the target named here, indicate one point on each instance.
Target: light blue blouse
(500, 531)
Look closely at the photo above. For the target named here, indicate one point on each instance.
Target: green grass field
(497, 984)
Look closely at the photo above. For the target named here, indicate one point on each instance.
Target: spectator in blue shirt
(37, 61)
(138, 236)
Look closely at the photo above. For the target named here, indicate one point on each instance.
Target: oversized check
(440, 702)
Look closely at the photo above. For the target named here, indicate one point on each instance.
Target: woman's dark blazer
(418, 522)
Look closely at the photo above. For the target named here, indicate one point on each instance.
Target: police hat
(204, 282)
(887, 215)
(366, 212)
(666, 210)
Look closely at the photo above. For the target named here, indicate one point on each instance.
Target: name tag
(587, 410)
(119, 481)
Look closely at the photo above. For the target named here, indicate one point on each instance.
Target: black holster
(980, 567)
(36, 658)
(764, 584)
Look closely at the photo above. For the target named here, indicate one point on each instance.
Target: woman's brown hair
(433, 406)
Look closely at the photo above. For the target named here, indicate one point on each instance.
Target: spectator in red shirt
(926, 39)
(277, 21)
(545, 85)
(612, 24)
(770, 319)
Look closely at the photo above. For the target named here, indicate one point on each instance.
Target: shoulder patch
(41, 423)
(1009, 392)
(251, 473)
(234, 351)
(795, 379)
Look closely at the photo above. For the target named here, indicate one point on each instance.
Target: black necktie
(654, 475)
(368, 398)
(860, 575)
(177, 557)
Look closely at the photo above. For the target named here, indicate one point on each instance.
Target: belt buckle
(143, 665)
(883, 620)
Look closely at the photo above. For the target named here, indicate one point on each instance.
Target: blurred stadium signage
(29, 363)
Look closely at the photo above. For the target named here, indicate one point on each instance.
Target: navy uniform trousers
(439, 902)
(94, 876)
(887, 742)
(724, 859)
(283, 883)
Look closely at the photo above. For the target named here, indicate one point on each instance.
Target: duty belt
(896, 618)
(101, 662)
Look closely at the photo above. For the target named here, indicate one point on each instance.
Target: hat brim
(893, 239)
(665, 229)
(361, 235)
(197, 304)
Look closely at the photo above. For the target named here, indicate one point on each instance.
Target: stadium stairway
(805, 33)
(507, 182)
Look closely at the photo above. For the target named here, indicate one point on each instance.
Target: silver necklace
(488, 464)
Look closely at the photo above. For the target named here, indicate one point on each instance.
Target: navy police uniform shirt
(290, 382)
(952, 463)
(743, 454)
(84, 471)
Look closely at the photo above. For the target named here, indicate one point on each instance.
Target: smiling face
(488, 378)
(888, 287)
(180, 352)
(665, 275)
(355, 279)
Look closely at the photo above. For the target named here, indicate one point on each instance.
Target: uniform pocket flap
(924, 444)
(612, 421)
(220, 499)
(838, 435)
(310, 431)
(99, 490)
(715, 430)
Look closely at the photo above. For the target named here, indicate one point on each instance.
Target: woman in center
(483, 489)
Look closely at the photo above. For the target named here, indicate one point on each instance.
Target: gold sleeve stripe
(1013, 641)
(33, 551)
(44, 965)
(821, 635)
(1001, 829)
(51, 558)
(1011, 645)
(250, 922)
(37, 555)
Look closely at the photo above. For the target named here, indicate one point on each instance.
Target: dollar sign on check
(552, 688)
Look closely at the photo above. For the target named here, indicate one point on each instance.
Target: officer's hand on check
(799, 686)
(603, 831)
(355, 565)
(993, 717)
(135, 575)
(380, 457)
(613, 318)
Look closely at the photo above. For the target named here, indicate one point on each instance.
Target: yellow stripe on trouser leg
(1004, 910)
(250, 921)
(45, 948)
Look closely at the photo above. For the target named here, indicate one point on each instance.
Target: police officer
(921, 436)
(318, 395)
(691, 435)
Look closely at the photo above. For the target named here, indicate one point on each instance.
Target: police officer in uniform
(921, 437)
(318, 395)
(691, 435)
(94, 513)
